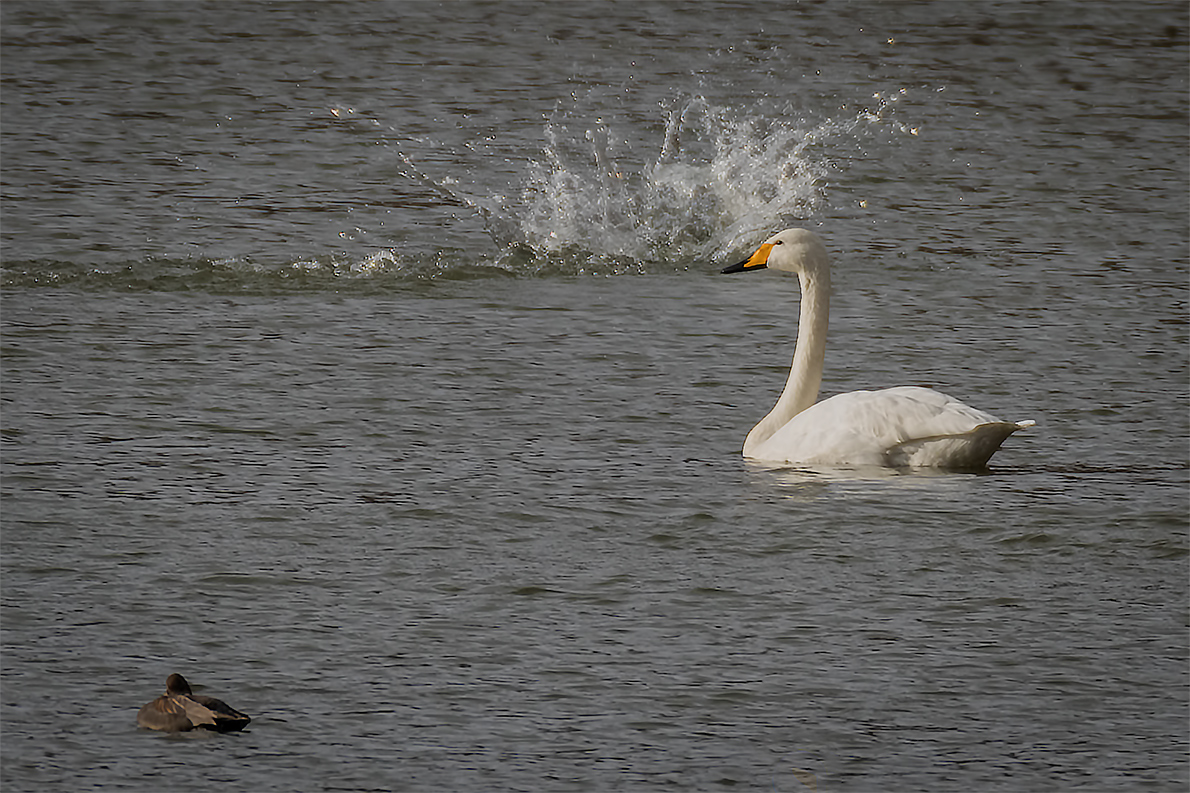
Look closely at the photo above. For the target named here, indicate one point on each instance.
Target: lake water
(367, 364)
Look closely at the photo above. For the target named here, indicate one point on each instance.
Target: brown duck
(179, 710)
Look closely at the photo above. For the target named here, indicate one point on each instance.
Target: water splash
(606, 195)
(718, 180)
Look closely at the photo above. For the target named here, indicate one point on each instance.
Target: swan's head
(793, 250)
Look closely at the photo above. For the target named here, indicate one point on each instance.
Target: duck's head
(176, 684)
(793, 250)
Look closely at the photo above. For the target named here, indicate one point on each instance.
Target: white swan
(905, 426)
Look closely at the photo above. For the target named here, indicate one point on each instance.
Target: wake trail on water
(610, 192)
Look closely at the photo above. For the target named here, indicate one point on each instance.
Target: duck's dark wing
(216, 714)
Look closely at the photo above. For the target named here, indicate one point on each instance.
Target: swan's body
(906, 426)
(179, 709)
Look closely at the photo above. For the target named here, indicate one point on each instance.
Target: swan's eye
(778, 242)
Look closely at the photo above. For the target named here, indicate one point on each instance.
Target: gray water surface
(365, 363)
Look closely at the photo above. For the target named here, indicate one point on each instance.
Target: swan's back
(905, 426)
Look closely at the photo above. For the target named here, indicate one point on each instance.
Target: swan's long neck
(805, 376)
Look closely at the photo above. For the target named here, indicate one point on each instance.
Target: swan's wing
(970, 451)
(894, 426)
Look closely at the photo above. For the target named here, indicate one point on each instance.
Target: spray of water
(716, 177)
(719, 179)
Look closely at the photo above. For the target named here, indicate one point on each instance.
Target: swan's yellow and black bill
(757, 261)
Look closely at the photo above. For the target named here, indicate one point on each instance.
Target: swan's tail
(969, 451)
